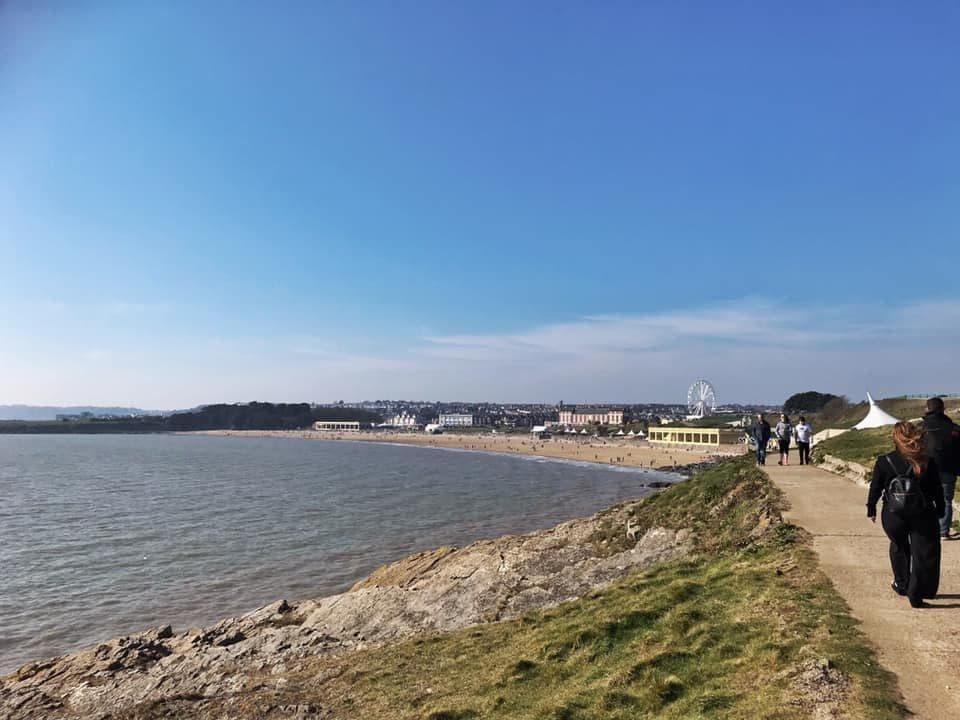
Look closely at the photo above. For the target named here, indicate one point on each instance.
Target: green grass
(859, 446)
(725, 634)
(720, 637)
(722, 505)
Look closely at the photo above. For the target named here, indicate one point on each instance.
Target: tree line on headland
(222, 416)
(815, 402)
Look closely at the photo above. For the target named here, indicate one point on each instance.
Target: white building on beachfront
(455, 420)
(404, 420)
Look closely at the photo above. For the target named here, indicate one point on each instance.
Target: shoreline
(633, 474)
(423, 593)
(632, 454)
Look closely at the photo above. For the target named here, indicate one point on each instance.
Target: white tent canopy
(876, 417)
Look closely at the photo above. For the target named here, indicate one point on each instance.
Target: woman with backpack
(909, 484)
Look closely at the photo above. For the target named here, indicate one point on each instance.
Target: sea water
(106, 535)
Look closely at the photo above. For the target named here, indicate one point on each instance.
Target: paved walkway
(921, 646)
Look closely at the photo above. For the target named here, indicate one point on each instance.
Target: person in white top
(804, 433)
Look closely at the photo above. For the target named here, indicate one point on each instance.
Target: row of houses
(568, 418)
(407, 421)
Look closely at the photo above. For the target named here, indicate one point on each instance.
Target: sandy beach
(612, 451)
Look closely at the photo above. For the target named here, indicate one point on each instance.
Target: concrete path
(921, 646)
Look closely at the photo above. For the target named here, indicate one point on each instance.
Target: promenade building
(455, 420)
(575, 416)
(340, 425)
(700, 437)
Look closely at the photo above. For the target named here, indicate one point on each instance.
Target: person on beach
(804, 435)
(943, 447)
(761, 435)
(910, 518)
(784, 434)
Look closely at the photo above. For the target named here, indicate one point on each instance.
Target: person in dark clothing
(943, 447)
(914, 537)
(761, 435)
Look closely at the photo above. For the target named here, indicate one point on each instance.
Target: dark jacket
(943, 441)
(883, 473)
(761, 432)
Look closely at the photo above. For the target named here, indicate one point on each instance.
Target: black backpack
(903, 494)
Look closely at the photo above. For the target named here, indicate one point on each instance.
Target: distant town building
(403, 420)
(455, 420)
(340, 425)
(590, 415)
(713, 437)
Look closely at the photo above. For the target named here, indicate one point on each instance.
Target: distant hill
(39, 412)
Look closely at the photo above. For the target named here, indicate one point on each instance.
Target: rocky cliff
(435, 591)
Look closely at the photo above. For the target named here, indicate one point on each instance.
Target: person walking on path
(804, 435)
(784, 433)
(761, 435)
(909, 515)
(943, 447)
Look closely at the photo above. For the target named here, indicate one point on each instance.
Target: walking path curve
(921, 646)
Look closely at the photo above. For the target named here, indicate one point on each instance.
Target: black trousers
(804, 449)
(914, 552)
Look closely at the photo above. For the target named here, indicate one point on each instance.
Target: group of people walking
(786, 432)
(917, 482)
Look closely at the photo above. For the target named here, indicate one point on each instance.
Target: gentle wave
(106, 535)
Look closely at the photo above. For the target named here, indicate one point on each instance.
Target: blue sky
(507, 201)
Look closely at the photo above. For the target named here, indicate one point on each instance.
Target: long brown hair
(909, 441)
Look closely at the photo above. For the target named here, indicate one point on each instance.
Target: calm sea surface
(101, 536)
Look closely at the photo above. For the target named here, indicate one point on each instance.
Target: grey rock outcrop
(436, 591)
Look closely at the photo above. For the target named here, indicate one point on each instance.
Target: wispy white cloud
(747, 324)
(753, 350)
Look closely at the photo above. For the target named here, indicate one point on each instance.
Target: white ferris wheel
(701, 400)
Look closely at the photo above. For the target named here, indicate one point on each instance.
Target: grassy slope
(859, 446)
(721, 635)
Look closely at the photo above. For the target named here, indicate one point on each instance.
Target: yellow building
(713, 437)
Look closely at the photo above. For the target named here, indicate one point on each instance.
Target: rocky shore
(436, 591)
